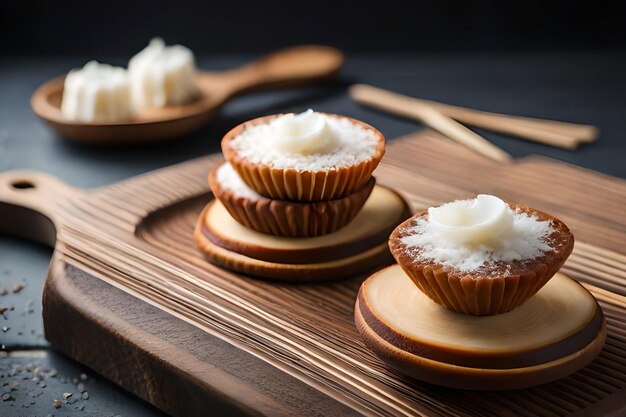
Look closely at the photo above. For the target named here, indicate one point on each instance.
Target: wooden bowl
(291, 66)
(558, 331)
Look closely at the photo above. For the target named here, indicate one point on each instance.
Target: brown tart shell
(486, 291)
(289, 218)
(302, 185)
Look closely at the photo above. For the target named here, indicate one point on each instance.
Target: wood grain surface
(204, 340)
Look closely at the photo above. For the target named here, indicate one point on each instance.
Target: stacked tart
(297, 175)
(300, 178)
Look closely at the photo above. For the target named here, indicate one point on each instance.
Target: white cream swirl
(484, 220)
(305, 134)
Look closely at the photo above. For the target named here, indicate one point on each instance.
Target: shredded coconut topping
(231, 181)
(527, 239)
(354, 144)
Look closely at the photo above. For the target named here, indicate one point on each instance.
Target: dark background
(107, 28)
(563, 60)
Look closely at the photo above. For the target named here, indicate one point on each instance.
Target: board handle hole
(22, 185)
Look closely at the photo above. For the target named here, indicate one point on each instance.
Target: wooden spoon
(287, 67)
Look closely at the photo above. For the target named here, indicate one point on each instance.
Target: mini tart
(496, 289)
(302, 185)
(288, 218)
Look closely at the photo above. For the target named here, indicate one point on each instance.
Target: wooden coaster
(356, 248)
(556, 332)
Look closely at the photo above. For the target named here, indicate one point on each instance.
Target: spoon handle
(286, 67)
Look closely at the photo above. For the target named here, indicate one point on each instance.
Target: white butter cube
(97, 93)
(162, 76)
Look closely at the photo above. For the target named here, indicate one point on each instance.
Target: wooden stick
(560, 134)
(385, 100)
(524, 127)
(439, 122)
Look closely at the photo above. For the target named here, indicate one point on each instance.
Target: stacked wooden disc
(558, 331)
(486, 331)
(250, 228)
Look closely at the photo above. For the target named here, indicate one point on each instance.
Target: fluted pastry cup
(289, 218)
(490, 290)
(302, 185)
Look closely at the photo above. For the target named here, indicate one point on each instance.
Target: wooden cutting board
(244, 346)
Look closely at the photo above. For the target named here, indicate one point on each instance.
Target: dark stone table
(584, 87)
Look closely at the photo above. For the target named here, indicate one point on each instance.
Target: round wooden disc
(358, 247)
(337, 269)
(381, 213)
(558, 331)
